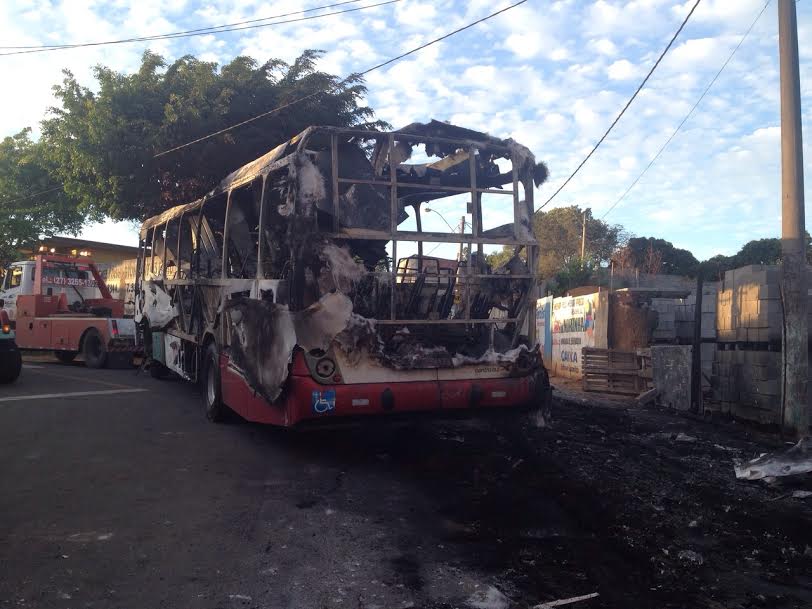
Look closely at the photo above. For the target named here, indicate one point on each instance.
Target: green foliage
(103, 143)
(497, 259)
(574, 274)
(757, 251)
(713, 269)
(559, 234)
(651, 255)
(25, 170)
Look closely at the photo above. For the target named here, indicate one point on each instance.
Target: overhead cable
(628, 103)
(212, 27)
(687, 116)
(31, 196)
(340, 83)
(219, 29)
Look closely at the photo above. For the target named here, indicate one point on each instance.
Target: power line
(198, 32)
(690, 112)
(342, 82)
(213, 27)
(31, 196)
(628, 103)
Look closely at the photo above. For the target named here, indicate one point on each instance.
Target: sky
(550, 74)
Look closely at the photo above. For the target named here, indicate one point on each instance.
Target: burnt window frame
(240, 196)
(205, 209)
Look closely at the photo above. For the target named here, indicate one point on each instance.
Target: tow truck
(61, 304)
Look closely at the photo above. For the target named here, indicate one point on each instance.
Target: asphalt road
(116, 492)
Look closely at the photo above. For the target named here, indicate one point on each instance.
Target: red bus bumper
(306, 400)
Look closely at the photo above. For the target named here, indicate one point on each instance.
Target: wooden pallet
(611, 371)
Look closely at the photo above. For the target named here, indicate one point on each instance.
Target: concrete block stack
(746, 375)
(747, 384)
(666, 330)
(685, 310)
(684, 314)
(749, 306)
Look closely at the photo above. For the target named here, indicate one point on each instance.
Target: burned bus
(309, 284)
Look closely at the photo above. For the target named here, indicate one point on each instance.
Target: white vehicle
(76, 282)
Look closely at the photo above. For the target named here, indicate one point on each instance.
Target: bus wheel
(216, 411)
(93, 349)
(66, 357)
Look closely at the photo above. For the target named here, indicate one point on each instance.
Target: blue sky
(553, 75)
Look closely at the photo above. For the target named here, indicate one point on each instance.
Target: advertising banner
(573, 328)
(544, 329)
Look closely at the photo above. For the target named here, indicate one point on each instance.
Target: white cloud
(604, 46)
(622, 69)
(524, 45)
(484, 74)
(416, 14)
(559, 54)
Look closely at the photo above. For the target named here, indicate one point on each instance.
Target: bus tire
(93, 349)
(66, 357)
(216, 410)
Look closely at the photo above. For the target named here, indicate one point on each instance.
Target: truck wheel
(11, 363)
(93, 349)
(216, 411)
(66, 357)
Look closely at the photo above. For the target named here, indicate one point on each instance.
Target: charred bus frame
(197, 296)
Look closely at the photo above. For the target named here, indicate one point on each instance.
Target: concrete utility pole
(793, 241)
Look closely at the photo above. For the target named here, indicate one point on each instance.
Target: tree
(559, 234)
(574, 274)
(713, 269)
(25, 219)
(656, 255)
(653, 260)
(103, 143)
(759, 251)
(497, 259)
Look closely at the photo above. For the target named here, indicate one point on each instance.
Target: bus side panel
(238, 396)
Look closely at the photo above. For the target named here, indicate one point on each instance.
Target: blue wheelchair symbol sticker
(324, 401)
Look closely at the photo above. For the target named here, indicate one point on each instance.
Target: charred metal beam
(376, 235)
(426, 186)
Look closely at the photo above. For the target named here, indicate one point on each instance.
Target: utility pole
(793, 241)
